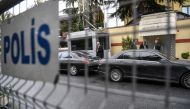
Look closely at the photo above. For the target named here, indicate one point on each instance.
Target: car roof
(140, 50)
(136, 50)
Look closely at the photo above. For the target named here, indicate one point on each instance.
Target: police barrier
(29, 45)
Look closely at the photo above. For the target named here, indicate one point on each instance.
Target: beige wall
(116, 49)
(182, 47)
(183, 34)
(117, 34)
(183, 29)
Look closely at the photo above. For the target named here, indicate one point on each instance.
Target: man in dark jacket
(134, 44)
(157, 45)
(99, 50)
(144, 45)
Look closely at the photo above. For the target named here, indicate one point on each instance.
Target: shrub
(185, 55)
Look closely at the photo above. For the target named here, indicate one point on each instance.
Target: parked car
(77, 60)
(150, 64)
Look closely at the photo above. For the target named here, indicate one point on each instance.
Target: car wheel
(185, 80)
(73, 70)
(116, 75)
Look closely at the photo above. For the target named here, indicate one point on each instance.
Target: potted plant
(185, 55)
(126, 43)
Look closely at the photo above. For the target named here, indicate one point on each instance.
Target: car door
(151, 65)
(126, 61)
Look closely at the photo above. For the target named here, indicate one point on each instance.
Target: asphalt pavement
(77, 95)
(148, 94)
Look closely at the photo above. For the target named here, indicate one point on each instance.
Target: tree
(92, 11)
(5, 16)
(37, 2)
(76, 21)
(143, 7)
(70, 2)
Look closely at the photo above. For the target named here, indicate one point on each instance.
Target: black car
(77, 60)
(150, 64)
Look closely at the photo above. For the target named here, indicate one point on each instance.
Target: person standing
(134, 44)
(99, 50)
(144, 45)
(157, 45)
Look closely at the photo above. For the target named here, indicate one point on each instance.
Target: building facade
(180, 41)
(177, 42)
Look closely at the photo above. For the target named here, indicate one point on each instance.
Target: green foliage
(91, 10)
(143, 7)
(64, 26)
(37, 2)
(70, 2)
(126, 43)
(76, 21)
(70, 11)
(99, 20)
(76, 24)
(185, 55)
(5, 16)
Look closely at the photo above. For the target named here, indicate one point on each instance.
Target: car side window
(63, 55)
(79, 54)
(149, 56)
(129, 55)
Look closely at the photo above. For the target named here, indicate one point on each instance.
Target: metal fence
(65, 93)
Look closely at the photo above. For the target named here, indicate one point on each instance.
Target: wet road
(143, 86)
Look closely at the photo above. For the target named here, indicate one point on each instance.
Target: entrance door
(105, 42)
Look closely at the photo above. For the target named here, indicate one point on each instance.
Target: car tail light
(86, 61)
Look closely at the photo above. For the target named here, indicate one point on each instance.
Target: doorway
(167, 43)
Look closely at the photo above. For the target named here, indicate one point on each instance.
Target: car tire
(185, 80)
(73, 70)
(116, 75)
